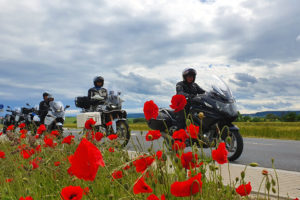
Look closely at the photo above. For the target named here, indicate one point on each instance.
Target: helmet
(189, 71)
(45, 94)
(98, 79)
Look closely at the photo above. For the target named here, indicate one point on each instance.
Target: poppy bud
(150, 137)
(188, 122)
(201, 115)
(170, 166)
(274, 190)
(243, 174)
(268, 185)
(254, 164)
(212, 168)
(273, 182)
(265, 172)
(228, 139)
(126, 186)
(237, 179)
(272, 160)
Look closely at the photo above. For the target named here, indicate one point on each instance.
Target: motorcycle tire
(125, 133)
(240, 146)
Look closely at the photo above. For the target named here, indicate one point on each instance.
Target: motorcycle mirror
(119, 93)
(27, 104)
(7, 110)
(8, 106)
(67, 106)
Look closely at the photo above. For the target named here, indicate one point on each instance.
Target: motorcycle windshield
(57, 108)
(216, 86)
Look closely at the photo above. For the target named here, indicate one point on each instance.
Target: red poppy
(38, 148)
(296, 199)
(10, 128)
(41, 129)
(180, 135)
(22, 136)
(26, 153)
(2, 154)
(89, 123)
(220, 154)
(8, 180)
(90, 135)
(68, 139)
(32, 151)
(86, 161)
(150, 110)
(159, 155)
(22, 125)
(23, 131)
(178, 102)
(193, 131)
(26, 198)
(99, 136)
(112, 136)
(153, 135)
(57, 163)
(244, 190)
(117, 174)
(141, 187)
(178, 145)
(126, 167)
(109, 123)
(49, 142)
(37, 136)
(71, 193)
(111, 149)
(188, 187)
(35, 163)
(154, 197)
(142, 163)
(86, 190)
(190, 161)
(1, 133)
(55, 133)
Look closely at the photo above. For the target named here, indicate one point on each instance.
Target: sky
(141, 48)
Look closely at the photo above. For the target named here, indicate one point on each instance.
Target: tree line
(286, 117)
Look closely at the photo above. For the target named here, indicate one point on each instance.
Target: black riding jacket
(43, 108)
(188, 89)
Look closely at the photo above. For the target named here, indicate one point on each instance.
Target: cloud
(298, 38)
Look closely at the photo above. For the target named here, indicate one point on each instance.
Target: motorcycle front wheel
(123, 133)
(234, 145)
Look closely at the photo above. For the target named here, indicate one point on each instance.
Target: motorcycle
(55, 117)
(103, 112)
(219, 108)
(11, 119)
(30, 118)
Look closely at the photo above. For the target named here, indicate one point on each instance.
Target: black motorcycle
(29, 116)
(219, 109)
(10, 119)
(104, 111)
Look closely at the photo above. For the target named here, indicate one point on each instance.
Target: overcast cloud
(141, 47)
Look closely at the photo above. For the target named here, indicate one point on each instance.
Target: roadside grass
(47, 180)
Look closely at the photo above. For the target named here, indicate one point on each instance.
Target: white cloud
(298, 38)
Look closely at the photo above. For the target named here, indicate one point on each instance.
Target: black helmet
(98, 79)
(45, 94)
(189, 71)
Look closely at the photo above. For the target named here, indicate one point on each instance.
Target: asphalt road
(286, 153)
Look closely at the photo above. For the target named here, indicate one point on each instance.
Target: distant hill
(264, 113)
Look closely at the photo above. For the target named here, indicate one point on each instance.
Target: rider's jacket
(102, 92)
(188, 89)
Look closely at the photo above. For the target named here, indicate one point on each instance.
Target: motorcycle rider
(44, 107)
(98, 92)
(189, 89)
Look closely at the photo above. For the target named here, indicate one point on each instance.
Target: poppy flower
(220, 154)
(1, 133)
(71, 193)
(8, 180)
(22, 136)
(159, 155)
(190, 161)
(154, 197)
(22, 125)
(180, 135)
(68, 139)
(38, 148)
(150, 110)
(187, 188)
(141, 187)
(89, 123)
(86, 190)
(153, 135)
(26, 198)
(49, 142)
(178, 102)
(90, 135)
(99, 136)
(109, 123)
(86, 161)
(117, 174)
(126, 167)
(55, 133)
(41, 129)
(111, 149)
(178, 145)
(35, 163)
(143, 163)
(2, 154)
(244, 190)
(25, 153)
(23, 131)
(10, 128)
(193, 130)
(112, 136)
(36, 136)
(57, 163)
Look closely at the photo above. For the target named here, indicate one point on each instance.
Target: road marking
(255, 143)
